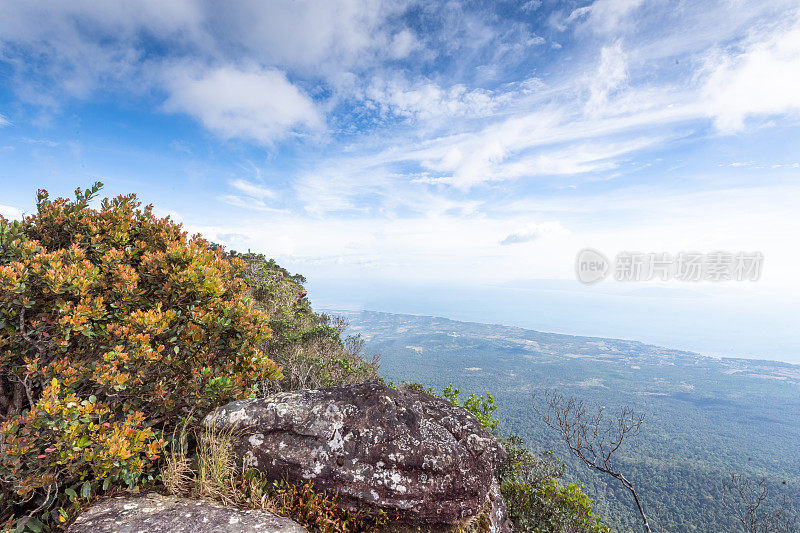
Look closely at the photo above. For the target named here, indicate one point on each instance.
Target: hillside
(705, 417)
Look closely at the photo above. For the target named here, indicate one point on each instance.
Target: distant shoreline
(754, 361)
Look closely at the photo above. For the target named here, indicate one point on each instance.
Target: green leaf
(106, 483)
(72, 494)
(86, 490)
(92, 398)
(35, 525)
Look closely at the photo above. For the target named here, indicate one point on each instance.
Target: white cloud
(532, 144)
(255, 104)
(252, 189)
(427, 100)
(84, 45)
(80, 45)
(403, 43)
(764, 79)
(10, 212)
(254, 195)
(611, 75)
(574, 160)
(605, 16)
(4, 121)
(534, 232)
(317, 36)
(531, 5)
(250, 202)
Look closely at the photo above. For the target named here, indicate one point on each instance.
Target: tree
(593, 437)
(748, 501)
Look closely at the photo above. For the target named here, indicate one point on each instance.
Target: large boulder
(499, 521)
(155, 513)
(395, 449)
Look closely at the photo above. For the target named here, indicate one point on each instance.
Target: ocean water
(726, 321)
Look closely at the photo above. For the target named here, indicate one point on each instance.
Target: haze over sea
(720, 321)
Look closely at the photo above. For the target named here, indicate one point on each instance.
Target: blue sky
(456, 143)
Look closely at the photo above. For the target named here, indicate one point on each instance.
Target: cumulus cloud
(57, 51)
(80, 45)
(260, 105)
(316, 36)
(763, 79)
(534, 232)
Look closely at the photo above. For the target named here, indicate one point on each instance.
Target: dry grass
(177, 473)
(216, 466)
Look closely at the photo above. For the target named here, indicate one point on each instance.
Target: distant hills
(705, 417)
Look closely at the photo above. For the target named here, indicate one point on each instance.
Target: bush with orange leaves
(114, 326)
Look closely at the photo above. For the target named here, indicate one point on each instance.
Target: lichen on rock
(395, 449)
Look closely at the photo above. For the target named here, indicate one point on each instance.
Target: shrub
(320, 511)
(309, 346)
(536, 499)
(114, 324)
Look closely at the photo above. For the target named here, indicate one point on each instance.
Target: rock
(396, 449)
(499, 522)
(156, 513)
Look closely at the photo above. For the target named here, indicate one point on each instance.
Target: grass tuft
(177, 473)
(216, 466)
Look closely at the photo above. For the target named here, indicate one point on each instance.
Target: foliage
(535, 498)
(309, 346)
(320, 511)
(113, 324)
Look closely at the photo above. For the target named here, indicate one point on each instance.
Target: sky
(398, 153)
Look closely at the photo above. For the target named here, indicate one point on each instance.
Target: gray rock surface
(156, 513)
(396, 449)
(498, 515)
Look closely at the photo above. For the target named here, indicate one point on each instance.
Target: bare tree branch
(594, 437)
(747, 501)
